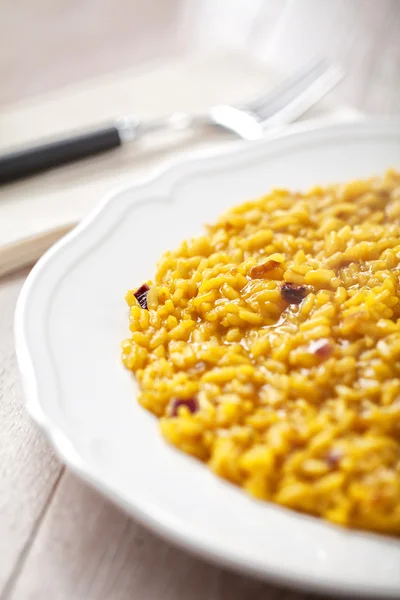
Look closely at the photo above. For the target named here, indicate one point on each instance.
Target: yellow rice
(298, 403)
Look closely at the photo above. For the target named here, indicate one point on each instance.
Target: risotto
(269, 348)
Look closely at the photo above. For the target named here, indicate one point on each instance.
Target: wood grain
(28, 469)
(27, 251)
(111, 556)
(58, 538)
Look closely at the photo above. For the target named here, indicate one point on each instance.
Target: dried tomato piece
(292, 293)
(333, 458)
(259, 271)
(191, 404)
(141, 295)
(321, 348)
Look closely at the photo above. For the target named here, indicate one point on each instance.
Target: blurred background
(47, 44)
(70, 65)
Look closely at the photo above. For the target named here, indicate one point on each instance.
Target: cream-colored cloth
(37, 211)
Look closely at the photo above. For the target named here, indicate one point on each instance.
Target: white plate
(71, 317)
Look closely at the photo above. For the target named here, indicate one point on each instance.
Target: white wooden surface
(60, 540)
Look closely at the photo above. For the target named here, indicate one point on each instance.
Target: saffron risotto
(269, 348)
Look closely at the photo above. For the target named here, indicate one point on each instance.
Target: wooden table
(60, 540)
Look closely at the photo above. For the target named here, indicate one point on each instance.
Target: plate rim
(64, 447)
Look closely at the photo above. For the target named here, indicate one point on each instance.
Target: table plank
(28, 469)
(87, 548)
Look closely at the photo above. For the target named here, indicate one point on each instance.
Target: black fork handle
(23, 163)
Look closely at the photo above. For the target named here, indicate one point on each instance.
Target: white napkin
(36, 211)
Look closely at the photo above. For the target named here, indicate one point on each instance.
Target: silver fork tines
(288, 88)
(282, 105)
(277, 107)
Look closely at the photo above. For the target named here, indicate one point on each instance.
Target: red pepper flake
(259, 271)
(191, 404)
(292, 293)
(334, 457)
(321, 348)
(141, 295)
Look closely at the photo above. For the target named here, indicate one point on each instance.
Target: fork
(248, 121)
